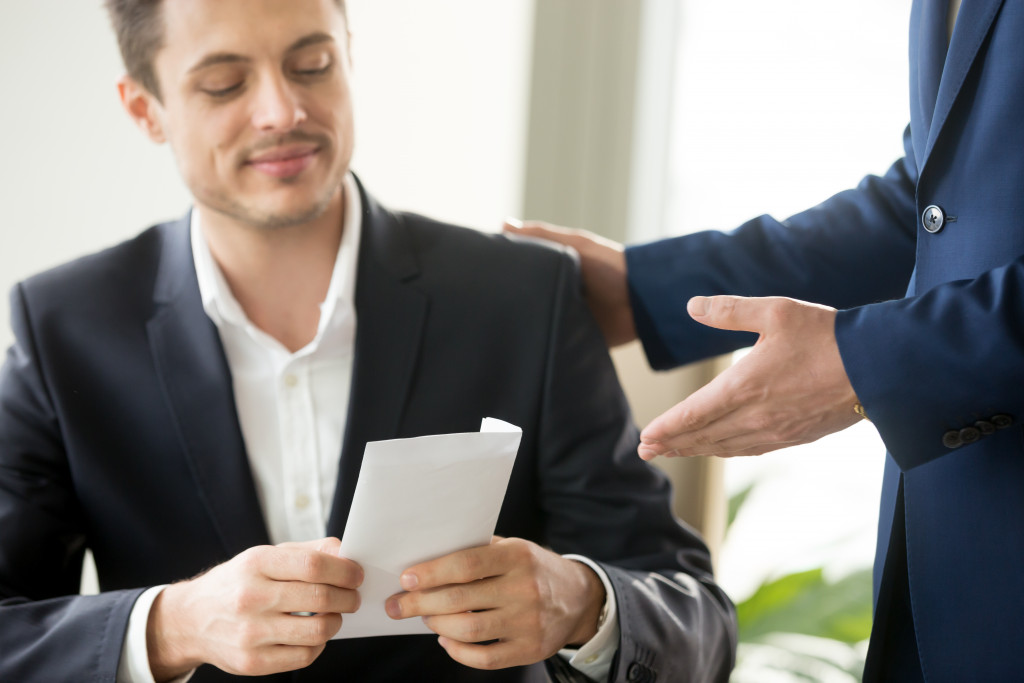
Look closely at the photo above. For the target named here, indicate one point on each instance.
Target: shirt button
(933, 219)
(590, 660)
(302, 501)
(291, 380)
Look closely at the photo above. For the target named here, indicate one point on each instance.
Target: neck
(279, 276)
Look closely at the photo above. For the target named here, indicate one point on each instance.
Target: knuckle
(310, 655)
(244, 600)
(702, 439)
(532, 590)
(777, 310)
(252, 559)
(473, 631)
(721, 306)
(490, 660)
(354, 601)
(312, 565)
(320, 600)
(470, 566)
(319, 630)
(354, 575)
(763, 423)
(249, 634)
(455, 598)
(250, 663)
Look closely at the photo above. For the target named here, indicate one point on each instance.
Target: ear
(143, 107)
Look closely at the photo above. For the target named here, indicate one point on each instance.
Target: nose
(277, 105)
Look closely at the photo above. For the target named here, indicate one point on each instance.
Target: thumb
(737, 313)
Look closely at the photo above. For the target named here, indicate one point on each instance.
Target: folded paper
(419, 499)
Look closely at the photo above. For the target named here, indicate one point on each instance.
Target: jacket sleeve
(855, 248)
(601, 501)
(939, 362)
(47, 631)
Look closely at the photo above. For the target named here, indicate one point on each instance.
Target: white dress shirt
(954, 11)
(292, 409)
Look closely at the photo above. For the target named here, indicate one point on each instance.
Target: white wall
(440, 106)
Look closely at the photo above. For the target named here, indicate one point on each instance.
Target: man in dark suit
(928, 263)
(178, 404)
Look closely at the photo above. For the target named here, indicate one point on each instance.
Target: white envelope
(419, 499)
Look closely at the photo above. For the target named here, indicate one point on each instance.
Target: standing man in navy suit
(926, 267)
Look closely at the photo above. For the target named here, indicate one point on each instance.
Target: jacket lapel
(929, 46)
(194, 373)
(391, 313)
(972, 26)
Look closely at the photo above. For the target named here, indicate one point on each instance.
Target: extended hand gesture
(790, 389)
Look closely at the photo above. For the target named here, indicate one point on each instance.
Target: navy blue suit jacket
(932, 336)
(118, 432)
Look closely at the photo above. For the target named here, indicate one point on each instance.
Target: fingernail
(409, 582)
(514, 223)
(698, 306)
(393, 608)
(647, 453)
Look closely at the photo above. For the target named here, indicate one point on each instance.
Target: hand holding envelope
(422, 518)
(417, 500)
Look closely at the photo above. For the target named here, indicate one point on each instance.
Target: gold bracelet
(859, 409)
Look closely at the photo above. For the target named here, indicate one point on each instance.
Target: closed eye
(223, 92)
(315, 72)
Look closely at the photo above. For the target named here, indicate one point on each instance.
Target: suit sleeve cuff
(594, 658)
(134, 665)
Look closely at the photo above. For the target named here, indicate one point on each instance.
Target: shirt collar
(223, 308)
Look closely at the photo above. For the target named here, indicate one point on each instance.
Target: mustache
(282, 139)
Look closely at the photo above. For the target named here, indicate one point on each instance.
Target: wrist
(169, 637)
(593, 600)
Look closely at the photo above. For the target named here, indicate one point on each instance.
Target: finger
(751, 443)
(304, 564)
(299, 596)
(463, 566)
(539, 229)
(454, 598)
(716, 400)
(470, 627)
(330, 545)
(738, 313)
(489, 657)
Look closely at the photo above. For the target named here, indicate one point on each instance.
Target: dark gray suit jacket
(118, 432)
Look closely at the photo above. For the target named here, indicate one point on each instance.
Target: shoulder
(113, 278)
(465, 254)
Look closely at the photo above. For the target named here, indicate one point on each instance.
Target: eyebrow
(231, 58)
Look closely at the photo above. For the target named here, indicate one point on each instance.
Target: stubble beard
(249, 214)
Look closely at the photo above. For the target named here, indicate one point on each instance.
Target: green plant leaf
(805, 603)
(736, 501)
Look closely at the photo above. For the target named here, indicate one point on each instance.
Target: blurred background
(637, 120)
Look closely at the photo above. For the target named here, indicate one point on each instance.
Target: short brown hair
(140, 34)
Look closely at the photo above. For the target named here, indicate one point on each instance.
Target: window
(776, 107)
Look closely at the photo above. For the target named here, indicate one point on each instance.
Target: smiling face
(256, 106)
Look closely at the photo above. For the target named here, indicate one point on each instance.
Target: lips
(284, 162)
